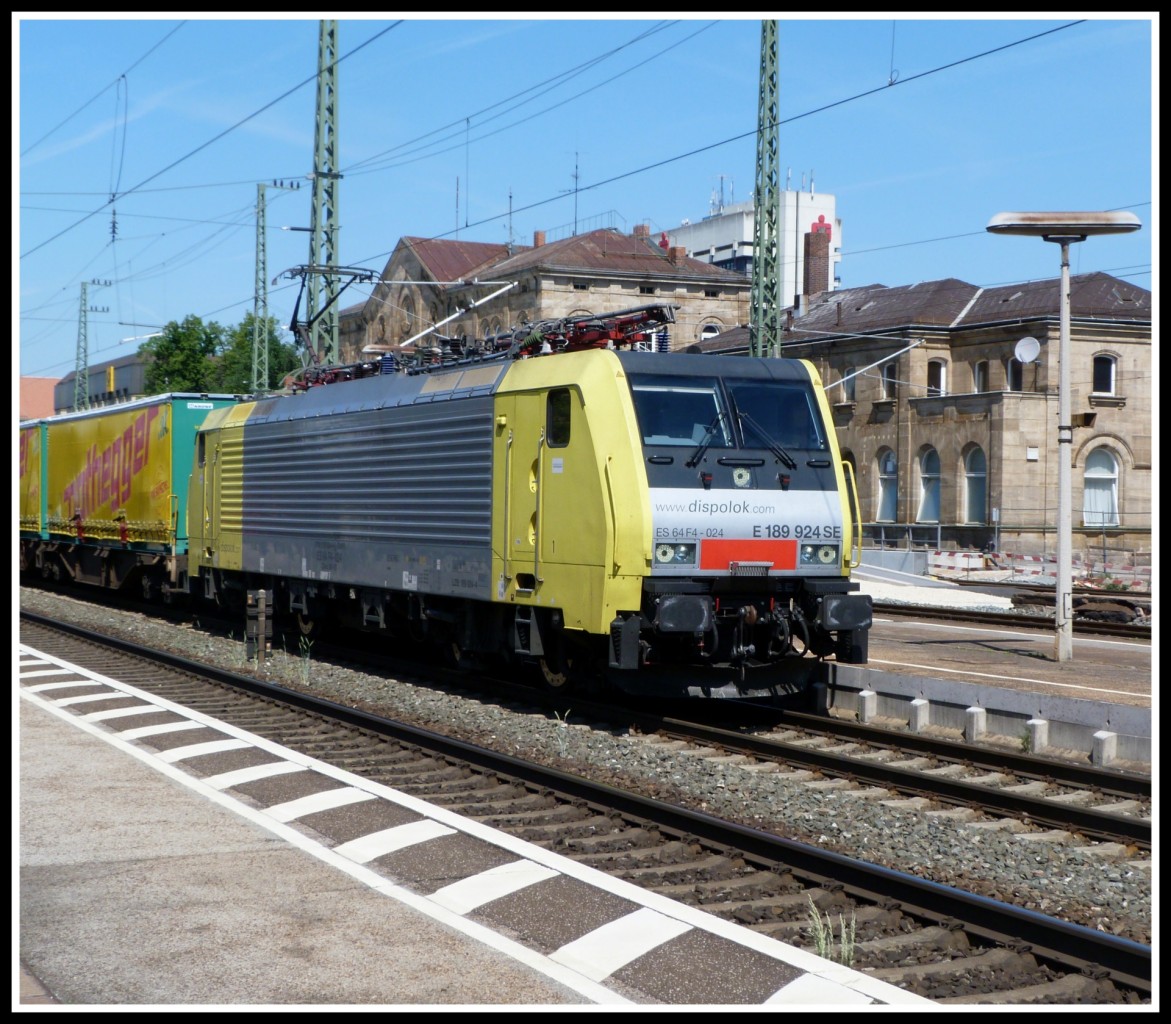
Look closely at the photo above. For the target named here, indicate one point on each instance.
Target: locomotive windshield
(680, 411)
(772, 412)
(694, 411)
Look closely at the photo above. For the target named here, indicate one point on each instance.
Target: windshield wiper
(708, 436)
(786, 459)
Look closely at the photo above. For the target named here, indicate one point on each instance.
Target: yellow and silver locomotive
(680, 523)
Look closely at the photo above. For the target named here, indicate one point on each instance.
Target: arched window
(848, 380)
(888, 486)
(1104, 375)
(929, 487)
(1015, 372)
(980, 377)
(408, 316)
(975, 486)
(1100, 500)
(890, 381)
(936, 378)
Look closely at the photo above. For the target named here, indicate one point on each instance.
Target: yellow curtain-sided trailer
(104, 491)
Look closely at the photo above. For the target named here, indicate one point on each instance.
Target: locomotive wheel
(557, 673)
(307, 626)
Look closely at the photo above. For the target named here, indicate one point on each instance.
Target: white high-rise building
(725, 237)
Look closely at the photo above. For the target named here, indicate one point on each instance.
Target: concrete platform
(1004, 685)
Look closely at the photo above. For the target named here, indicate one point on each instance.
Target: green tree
(232, 372)
(180, 359)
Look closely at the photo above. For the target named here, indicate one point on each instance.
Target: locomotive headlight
(819, 554)
(675, 554)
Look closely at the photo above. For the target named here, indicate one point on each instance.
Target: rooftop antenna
(716, 204)
(731, 194)
(574, 191)
(510, 222)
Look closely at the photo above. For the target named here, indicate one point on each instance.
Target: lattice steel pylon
(765, 318)
(260, 294)
(323, 226)
(81, 368)
(260, 302)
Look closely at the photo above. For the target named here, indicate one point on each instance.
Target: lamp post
(1063, 229)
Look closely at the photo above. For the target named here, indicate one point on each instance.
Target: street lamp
(1063, 229)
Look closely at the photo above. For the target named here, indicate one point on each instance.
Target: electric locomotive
(679, 523)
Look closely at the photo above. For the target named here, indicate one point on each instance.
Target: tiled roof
(1091, 295)
(452, 260)
(875, 307)
(733, 340)
(951, 303)
(611, 251)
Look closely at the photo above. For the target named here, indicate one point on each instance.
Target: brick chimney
(642, 231)
(538, 239)
(817, 263)
(677, 254)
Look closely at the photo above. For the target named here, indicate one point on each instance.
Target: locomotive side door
(200, 492)
(518, 447)
(202, 515)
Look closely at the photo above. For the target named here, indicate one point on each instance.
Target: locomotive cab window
(557, 418)
(681, 412)
(771, 412)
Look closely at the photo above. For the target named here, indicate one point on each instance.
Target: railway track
(1098, 804)
(1015, 620)
(935, 940)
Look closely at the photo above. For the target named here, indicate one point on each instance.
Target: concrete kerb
(1105, 732)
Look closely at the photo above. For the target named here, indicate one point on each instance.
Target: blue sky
(923, 128)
